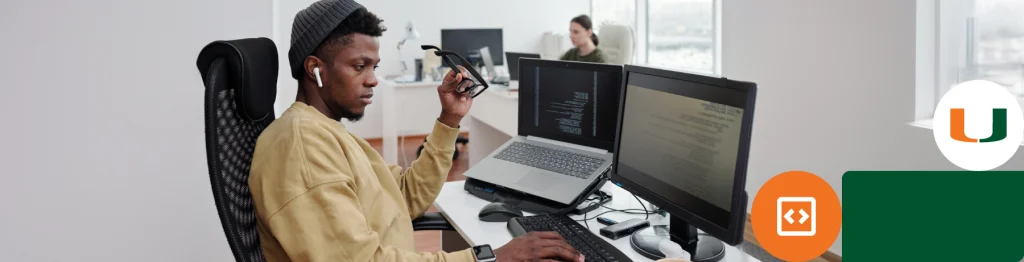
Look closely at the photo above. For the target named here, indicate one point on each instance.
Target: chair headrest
(617, 34)
(252, 65)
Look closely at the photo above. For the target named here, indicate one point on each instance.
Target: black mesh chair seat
(240, 77)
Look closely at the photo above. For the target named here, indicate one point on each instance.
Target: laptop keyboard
(554, 160)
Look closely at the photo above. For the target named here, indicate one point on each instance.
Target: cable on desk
(591, 198)
(586, 222)
(633, 211)
(646, 216)
(585, 215)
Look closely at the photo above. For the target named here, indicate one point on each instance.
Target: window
(681, 34)
(619, 12)
(974, 39)
(673, 34)
(997, 40)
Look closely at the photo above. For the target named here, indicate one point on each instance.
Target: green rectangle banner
(933, 216)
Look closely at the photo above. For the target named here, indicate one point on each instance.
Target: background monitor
(467, 42)
(682, 144)
(513, 63)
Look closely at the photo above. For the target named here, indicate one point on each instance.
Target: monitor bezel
(588, 66)
(733, 235)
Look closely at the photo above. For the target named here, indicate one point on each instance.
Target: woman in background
(585, 41)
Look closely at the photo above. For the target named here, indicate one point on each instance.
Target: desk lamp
(410, 34)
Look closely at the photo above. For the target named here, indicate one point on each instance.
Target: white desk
(492, 121)
(415, 104)
(461, 209)
(395, 111)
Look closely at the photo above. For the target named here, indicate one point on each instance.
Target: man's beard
(348, 114)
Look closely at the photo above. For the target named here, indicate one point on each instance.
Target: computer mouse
(499, 212)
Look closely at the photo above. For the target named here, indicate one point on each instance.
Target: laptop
(567, 123)
(512, 60)
(485, 54)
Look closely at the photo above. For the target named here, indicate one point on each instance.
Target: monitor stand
(702, 247)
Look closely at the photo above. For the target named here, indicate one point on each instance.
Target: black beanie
(312, 25)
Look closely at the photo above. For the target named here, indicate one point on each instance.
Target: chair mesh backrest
(230, 141)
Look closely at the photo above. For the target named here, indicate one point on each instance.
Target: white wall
(836, 87)
(102, 144)
(523, 23)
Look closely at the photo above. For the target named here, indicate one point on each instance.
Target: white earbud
(319, 83)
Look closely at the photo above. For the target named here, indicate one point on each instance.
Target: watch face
(483, 252)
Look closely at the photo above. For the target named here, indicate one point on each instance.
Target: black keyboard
(554, 160)
(591, 245)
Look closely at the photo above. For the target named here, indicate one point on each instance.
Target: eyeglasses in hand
(472, 87)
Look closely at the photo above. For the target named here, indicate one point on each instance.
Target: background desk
(461, 209)
(406, 109)
(410, 109)
(493, 120)
(392, 112)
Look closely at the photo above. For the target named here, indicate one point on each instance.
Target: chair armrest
(432, 221)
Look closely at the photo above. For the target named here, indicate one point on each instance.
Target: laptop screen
(572, 102)
(513, 63)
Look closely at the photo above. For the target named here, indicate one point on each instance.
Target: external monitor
(467, 42)
(513, 63)
(682, 144)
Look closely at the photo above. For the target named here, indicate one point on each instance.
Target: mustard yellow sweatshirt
(323, 194)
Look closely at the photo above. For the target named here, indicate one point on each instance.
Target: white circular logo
(978, 125)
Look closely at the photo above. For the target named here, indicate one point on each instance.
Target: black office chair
(458, 140)
(241, 83)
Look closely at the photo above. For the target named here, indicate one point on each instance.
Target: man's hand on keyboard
(534, 246)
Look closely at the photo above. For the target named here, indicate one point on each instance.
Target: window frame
(941, 43)
(944, 43)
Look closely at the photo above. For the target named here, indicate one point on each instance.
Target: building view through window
(998, 54)
(681, 34)
(617, 12)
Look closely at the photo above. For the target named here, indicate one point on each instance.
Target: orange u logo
(956, 126)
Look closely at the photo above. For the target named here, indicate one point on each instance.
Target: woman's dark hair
(584, 21)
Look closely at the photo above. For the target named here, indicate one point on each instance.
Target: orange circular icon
(796, 216)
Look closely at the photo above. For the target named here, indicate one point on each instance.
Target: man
(323, 194)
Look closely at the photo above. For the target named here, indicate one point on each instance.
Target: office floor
(429, 241)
